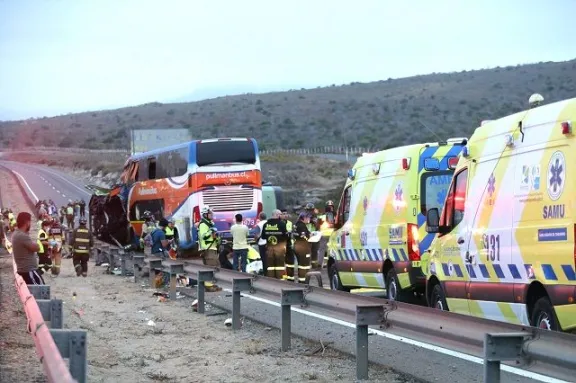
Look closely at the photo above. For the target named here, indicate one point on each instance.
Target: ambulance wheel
(438, 299)
(393, 290)
(335, 283)
(543, 315)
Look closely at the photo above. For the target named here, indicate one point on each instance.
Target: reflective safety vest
(253, 254)
(42, 236)
(81, 241)
(169, 231)
(289, 227)
(205, 239)
(70, 210)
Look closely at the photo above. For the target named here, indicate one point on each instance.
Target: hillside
(378, 114)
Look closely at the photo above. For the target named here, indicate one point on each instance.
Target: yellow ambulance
(505, 246)
(379, 232)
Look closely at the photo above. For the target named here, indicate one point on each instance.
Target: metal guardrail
(53, 343)
(544, 352)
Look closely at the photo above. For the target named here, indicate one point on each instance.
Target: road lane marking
(26, 183)
(412, 342)
(71, 183)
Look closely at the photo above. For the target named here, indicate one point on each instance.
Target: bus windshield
(222, 152)
(434, 188)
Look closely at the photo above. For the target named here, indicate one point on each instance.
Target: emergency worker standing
(44, 261)
(301, 251)
(62, 214)
(56, 235)
(208, 242)
(82, 242)
(313, 225)
(70, 216)
(82, 208)
(277, 245)
(326, 222)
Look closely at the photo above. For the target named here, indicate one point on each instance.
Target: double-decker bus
(177, 182)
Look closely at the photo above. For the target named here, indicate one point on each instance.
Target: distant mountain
(209, 93)
(379, 114)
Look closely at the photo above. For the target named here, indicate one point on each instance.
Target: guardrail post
(315, 274)
(72, 344)
(113, 252)
(174, 269)
(289, 297)
(39, 291)
(52, 312)
(238, 285)
(154, 264)
(122, 256)
(203, 276)
(498, 348)
(138, 263)
(365, 316)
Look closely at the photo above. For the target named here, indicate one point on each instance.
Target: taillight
(196, 214)
(566, 127)
(405, 163)
(413, 242)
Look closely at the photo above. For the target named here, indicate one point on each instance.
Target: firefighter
(11, 220)
(326, 222)
(277, 245)
(81, 244)
(290, 257)
(313, 225)
(44, 261)
(301, 250)
(56, 236)
(208, 242)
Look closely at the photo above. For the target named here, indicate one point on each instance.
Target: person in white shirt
(240, 245)
(262, 242)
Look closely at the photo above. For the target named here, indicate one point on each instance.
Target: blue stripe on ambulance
(427, 153)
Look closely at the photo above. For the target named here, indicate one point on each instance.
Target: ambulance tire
(543, 315)
(438, 298)
(393, 290)
(335, 283)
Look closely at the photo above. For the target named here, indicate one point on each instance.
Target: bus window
(142, 170)
(220, 152)
(173, 163)
(152, 168)
(154, 206)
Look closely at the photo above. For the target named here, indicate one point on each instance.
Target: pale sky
(60, 56)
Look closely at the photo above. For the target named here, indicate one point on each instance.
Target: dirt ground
(133, 337)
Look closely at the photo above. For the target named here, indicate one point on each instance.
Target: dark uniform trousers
(44, 260)
(81, 251)
(276, 259)
(300, 254)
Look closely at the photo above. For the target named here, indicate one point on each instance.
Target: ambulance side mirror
(433, 221)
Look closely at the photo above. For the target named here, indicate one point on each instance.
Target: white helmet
(206, 210)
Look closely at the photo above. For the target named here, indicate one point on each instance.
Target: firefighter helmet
(206, 210)
(82, 221)
(329, 203)
(309, 206)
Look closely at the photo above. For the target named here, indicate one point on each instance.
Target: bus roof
(136, 157)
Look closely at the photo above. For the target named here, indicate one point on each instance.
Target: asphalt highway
(47, 183)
